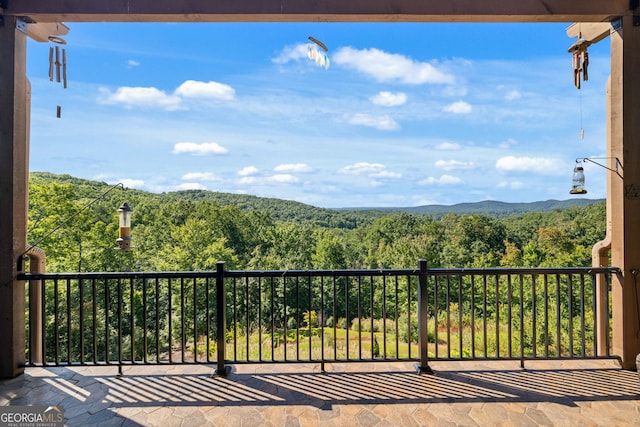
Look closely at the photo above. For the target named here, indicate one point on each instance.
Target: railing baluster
(497, 311)
(371, 314)
(247, 319)
(460, 319)
(157, 313)
(484, 316)
(522, 320)
(284, 315)
(546, 315)
(69, 333)
(94, 318)
(570, 304)
(145, 346)
(235, 319)
(583, 346)
(183, 338)
(132, 326)
(448, 308)
(397, 318)
(107, 307)
(360, 317)
(384, 317)
(170, 319)
(346, 314)
(81, 320)
(409, 323)
(534, 311)
(436, 315)
(119, 312)
(322, 349)
(207, 314)
(195, 320)
(473, 316)
(260, 319)
(335, 318)
(509, 316)
(558, 327)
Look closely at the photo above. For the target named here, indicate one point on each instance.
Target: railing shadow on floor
(270, 385)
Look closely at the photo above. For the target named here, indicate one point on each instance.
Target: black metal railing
(229, 317)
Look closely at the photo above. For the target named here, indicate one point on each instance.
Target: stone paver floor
(496, 393)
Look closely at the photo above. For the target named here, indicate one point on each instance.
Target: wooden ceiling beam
(317, 10)
(41, 31)
(592, 32)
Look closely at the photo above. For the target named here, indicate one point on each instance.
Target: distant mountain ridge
(490, 207)
(292, 210)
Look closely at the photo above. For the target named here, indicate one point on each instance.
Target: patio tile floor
(495, 393)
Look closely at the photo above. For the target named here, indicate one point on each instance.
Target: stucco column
(625, 192)
(14, 169)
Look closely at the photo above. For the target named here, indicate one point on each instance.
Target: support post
(221, 321)
(625, 192)
(423, 336)
(37, 265)
(14, 169)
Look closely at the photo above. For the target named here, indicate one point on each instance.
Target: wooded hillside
(192, 230)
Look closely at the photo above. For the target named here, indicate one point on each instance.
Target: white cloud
(200, 176)
(453, 164)
(387, 67)
(248, 170)
(140, 96)
(512, 95)
(389, 99)
(293, 167)
(539, 165)
(459, 107)
(507, 143)
(266, 180)
(443, 180)
(387, 174)
(213, 90)
(132, 63)
(373, 170)
(154, 97)
(191, 186)
(202, 149)
(292, 53)
(282, 178)
(444, 146)
(378, 122)
(362, 168)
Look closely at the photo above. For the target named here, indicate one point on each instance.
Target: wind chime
(58, 65)
(319, 57)
(580, 62)
(578, 50)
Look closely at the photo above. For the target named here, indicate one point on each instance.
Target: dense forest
(192, 230)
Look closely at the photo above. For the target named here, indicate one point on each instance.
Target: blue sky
(407, 114)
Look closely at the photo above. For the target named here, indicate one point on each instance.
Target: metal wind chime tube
(58, 65)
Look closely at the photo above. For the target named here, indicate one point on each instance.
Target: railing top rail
(523, 270)
(321, 273)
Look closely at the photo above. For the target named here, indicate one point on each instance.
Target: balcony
(503, 345)
(241, 317)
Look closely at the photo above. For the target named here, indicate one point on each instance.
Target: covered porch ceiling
(317, 10)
